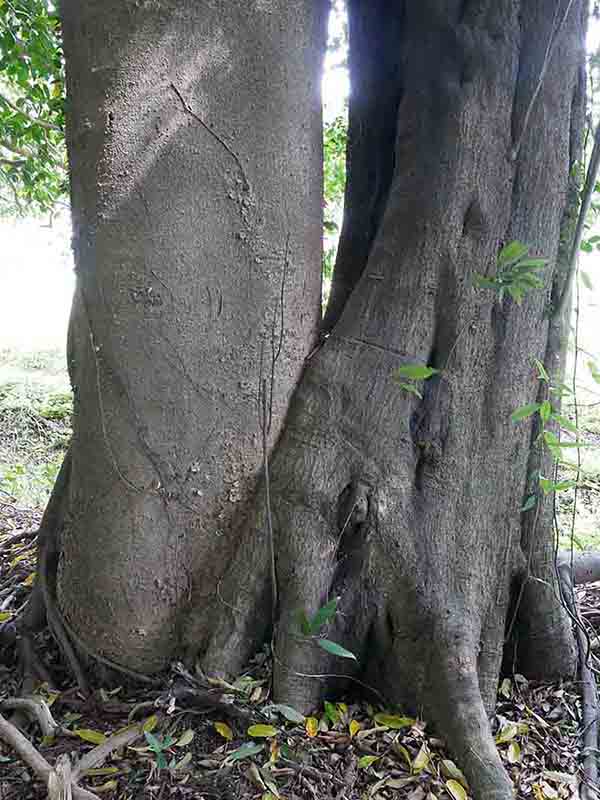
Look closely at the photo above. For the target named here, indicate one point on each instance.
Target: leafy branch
(516, 273)
(312, 628)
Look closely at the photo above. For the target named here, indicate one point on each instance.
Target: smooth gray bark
(194, 134)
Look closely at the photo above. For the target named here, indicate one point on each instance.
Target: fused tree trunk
(195, 160)
(490, 101)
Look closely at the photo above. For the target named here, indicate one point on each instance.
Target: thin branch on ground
(62, 779)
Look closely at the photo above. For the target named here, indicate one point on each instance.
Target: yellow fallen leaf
(150, 724)
(394, 721)
(450, 770)
(262, 731)
(421, 760)
(507, 733)
(185, 738)
(400, 750)
(455, 790)
(95, 737)
(514, 753)
(366, 761)
(312, 726)
(4, 615)
(274, 751)
(224, 730)
(109, 786)
(29, 579)
(354, 728)
(99, 771)
(184, 762)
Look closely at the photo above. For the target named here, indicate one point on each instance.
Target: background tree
(195, 162)
(33, 174)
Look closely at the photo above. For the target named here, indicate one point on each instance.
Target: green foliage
(408, 375)
(334, 180)
(158, 747)
(547, 437)
(33, 174)
(515, 273)
(312, 628)
(35, 429)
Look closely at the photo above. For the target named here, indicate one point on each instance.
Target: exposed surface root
(62, 780)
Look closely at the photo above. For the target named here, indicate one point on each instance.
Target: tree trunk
(194, 153)
(195, 150)
(486, 138)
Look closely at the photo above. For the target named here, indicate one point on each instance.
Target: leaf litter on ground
(236, 742)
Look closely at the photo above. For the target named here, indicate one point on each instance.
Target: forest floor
(200, 739)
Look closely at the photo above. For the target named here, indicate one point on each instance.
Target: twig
(546, 63)
(589, 696)
(62, 780)
(274, 597)
(214, 134)
(49, 126)
(97, 756)
(586, 200)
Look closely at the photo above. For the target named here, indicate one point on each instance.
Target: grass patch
(35, 429)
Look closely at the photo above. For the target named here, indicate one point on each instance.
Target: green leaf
(586, 280)
(542, 374)
(513, 251)
(247, 750)
(546, 485)
(525, 411)
(286, 711)
(161, 761)
(411, 389)
(262, 731)
(529, 264)
(155, 744)
(324, 615)
(415, 372)
(331, 712)
(594, 371)
(565, 423)
(529, 503)
(483, 282)
(335, 649)
(366, 761)
(516, 293)
(304, 623)
(545, 410)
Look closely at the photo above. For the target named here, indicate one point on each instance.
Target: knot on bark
(353, 507)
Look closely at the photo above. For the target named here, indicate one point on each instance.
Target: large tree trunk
(485, 138)
(194, 152)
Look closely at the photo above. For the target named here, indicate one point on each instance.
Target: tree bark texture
(194, 138)
(194, 152)
(489, 110)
